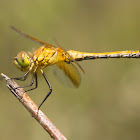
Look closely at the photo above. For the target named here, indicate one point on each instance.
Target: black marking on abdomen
(79, 59)
(115, 56)
(89, 57)
(102, 56)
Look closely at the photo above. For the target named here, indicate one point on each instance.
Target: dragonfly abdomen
(79, 56)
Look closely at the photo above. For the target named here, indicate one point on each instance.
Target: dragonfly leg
(50, 87)
(32, 82)
(36, 83)
(23, 78)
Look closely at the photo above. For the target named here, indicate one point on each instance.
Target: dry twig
(33, 109)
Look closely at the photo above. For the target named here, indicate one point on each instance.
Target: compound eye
(23, 59)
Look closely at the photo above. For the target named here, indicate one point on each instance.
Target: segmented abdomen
(119, 54)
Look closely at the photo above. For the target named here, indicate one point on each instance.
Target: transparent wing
(46, 45)
(71, 72)
(69, 57)
(32, 38)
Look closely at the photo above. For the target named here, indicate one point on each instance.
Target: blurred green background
(107, 104)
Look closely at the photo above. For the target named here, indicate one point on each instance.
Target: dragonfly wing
(32, 38)
(69, 57)
(71, 72)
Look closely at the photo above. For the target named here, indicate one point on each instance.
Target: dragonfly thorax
(43, 57)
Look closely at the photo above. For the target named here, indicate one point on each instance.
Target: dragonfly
(48, 55)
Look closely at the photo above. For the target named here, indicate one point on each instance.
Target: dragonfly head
(22, 61)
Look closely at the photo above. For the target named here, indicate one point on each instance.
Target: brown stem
(33, 109)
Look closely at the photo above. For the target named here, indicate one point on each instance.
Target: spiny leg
(36, 82)
(32, 82)
(23, 78)
(50, 87)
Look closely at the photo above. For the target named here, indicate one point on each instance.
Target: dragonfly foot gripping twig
(33, 109)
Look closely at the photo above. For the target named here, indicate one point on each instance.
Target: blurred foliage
(106, 105)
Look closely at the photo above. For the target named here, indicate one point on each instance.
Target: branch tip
(33, 109)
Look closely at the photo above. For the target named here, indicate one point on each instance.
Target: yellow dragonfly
(48, 55)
